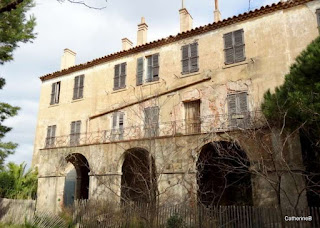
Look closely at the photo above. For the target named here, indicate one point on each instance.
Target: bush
(175, 221)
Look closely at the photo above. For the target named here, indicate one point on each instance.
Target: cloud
(91, 34)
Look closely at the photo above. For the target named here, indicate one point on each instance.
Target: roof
(180, 36)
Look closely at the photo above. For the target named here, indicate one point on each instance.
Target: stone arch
(77, 178)
(223, 175)
(138, 180)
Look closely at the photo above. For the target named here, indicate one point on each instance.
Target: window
(238, 110)
(192, 116)
(153, 68)
(75, 133)
(117, 126)
(190, 58)
(140, 71)
(234, 47)
(55, 93)
(120, 76)
(318, 17)
(78, 87)
(151, 124)
(51, 136)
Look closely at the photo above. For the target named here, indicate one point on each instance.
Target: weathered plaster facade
(272, 41)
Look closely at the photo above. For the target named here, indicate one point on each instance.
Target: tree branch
(11, 6)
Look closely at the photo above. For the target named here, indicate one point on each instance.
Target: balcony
(203, 125)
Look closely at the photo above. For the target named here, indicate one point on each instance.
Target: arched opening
(77, 180)
(223, 175)
(138, 181)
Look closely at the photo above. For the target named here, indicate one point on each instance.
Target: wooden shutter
(121, 123)
(149, 73)
(123, 75)
(73, 128)
(155, 121)
(53, 89)
(78, 127)
(185, 59)
(53, 131)
(155, 66)
(48, 136)
(228, 48)
(75, 88)
(192, 116)
(243, 102)
(318, 16)
(114, 120)
(116, 77)
(194, 57)
(57, 93)
(81, 86)
(140, 71)
(239, 54)
(232, 109)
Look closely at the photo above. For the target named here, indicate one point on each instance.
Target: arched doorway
(77, 179)
(138, 181)
(223, 175)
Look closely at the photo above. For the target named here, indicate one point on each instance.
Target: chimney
(142, 32)
(217, 14)
(185, 19)
(126, 44)
(68, 59)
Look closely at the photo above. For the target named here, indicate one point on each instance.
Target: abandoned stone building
(177, 119)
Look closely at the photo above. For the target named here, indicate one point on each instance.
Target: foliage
(175, 221)
(297, 102)
(17, 183)
(15, 27)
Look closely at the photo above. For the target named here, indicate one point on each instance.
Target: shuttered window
(190, 58)
(140, 71)
(318, 17)
(192, 117)
(120, 73)
(238, 109)
(55, 93)
(51, 136)
(151, 123)
(153, 68)
(78, 87)
(75, 133)
(117, 126)
(234, 47)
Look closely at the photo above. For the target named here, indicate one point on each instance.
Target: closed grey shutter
(155, 65)
(228, 48)
(155, 121)
(81, 86)
(48, 136)
(239, 54)
(243, 102)
(72, 133)
(149, 73)
(121, 123)
(232, 109)
(194, 57)
(57, 93)
(78, 126)
(318, 16)
(114, 120)
(147, 122)
(75, 88)
(123, 75)
(140, 71)
(53, 89)
(53, 135)
(185, 59)
(116, 77)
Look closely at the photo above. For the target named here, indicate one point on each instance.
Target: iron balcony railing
(206, 124)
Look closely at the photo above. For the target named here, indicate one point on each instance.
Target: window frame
(51, 136)
(121, 77)
(78, 87)
(152, 67)
(55, 93)
(234, 47)
(190, 58)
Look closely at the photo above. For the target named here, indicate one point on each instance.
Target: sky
(91, 34)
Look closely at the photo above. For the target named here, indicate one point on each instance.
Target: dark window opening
(223, 175)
